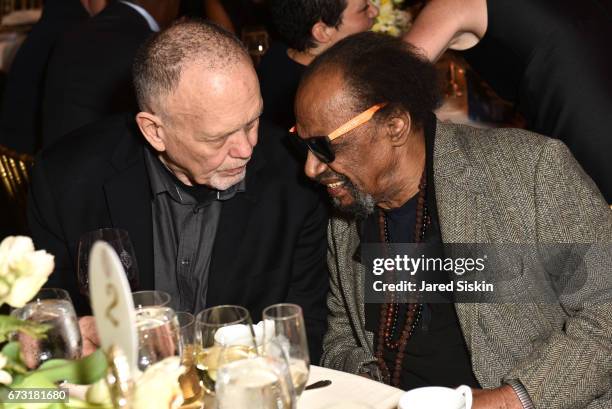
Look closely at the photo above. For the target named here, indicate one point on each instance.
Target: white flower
(158, 387)
(23, 271)
(5, 377)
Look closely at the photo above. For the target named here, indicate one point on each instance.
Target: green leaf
(11, 351)
(14, 363)
(9, 325)
(84, 371)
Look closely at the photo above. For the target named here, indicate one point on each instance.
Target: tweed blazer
(502, 186)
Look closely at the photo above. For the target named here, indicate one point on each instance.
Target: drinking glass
(120, 241)
(158, 335)
(153, 298)
(193, 393)
(256, 40)
(260, 382)
(53, 307)
(224, 334)
(186, 322)
(284, 323)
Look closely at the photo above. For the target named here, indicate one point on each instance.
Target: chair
(14, 176)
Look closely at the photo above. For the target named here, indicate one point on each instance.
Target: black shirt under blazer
(271, 240)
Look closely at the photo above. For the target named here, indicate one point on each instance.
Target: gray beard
(362, 206)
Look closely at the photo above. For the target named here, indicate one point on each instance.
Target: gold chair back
(14, 174)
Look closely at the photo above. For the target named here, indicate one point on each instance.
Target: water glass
(120, 241)
(152, 298)
(260, 382)
(224, 334)
(284, 323)
(158, 335)
(53, 307)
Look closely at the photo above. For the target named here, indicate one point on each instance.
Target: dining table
(346, 389)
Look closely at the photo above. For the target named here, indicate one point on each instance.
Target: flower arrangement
(23, 271)
(391, 19)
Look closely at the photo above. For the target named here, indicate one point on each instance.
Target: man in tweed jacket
(491, 186)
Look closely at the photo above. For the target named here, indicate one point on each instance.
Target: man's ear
(398, 127)
(150, 126)
(322, 33)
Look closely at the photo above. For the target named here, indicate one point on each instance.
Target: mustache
(234, 165)
(330, 174)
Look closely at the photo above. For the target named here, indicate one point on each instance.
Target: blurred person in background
(307, 27)
(20, 124)
(551, 58)
(89, 75)
(236, 15)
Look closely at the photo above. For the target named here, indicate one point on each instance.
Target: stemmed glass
(261, 382)
(150, 298)
(193, 392)
(256, 40)
(53, 307)
(224, 334)
(284, 323)
(119, 240)
(158, 335)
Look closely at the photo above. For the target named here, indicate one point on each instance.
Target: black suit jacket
(271, 240)
(90, 72)
(22, 101)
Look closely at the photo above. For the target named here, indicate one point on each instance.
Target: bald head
(162, 59)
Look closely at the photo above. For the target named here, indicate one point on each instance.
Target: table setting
(150, 356)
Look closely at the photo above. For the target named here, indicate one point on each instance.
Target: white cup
(437, 397)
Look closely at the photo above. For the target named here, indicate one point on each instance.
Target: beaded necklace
(389, 312)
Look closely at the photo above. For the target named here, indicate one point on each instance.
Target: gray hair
(159, 61)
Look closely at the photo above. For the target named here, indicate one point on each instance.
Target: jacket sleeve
(310, 282)
(44, 222)
(573, 367)
(342, 349)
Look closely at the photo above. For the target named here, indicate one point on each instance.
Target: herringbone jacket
(502, 186)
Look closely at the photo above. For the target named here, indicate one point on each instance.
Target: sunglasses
(321, 146)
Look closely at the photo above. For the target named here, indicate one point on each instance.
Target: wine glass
(120, 241)
(284, 323)
(224, 333)
(158, 335)
(193, 393)
(260, 382)
(150, 298)
(53, 307)
(256, 41)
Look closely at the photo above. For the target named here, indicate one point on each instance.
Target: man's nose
(313, 166)
(242, 147)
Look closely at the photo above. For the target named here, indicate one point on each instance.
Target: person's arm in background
(444, 24)
(46, 230)
(216, 12)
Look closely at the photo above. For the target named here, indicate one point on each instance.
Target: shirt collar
(162, 181)
(153, 25)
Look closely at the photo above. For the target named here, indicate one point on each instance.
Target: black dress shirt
(185, 221)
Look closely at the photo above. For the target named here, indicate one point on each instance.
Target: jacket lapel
(234, 218)
(459, 200)
(128, 196)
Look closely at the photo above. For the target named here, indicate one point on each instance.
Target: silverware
(319, 384)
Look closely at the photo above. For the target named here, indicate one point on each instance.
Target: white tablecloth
(347, 388)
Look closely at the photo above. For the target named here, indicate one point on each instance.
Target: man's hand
(91, 341)
(500, 398)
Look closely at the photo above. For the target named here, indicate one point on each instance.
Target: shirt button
(185, 262)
